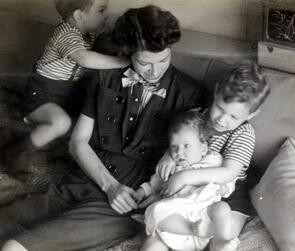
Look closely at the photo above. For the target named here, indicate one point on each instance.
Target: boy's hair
(192, 119)
(148, 28)
(245, 84)
(66, 8)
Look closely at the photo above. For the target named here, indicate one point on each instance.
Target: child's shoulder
(64, 28)
(245, 131)
(245, 127)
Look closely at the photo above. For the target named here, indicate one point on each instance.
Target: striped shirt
(55, 62)
(237, 145)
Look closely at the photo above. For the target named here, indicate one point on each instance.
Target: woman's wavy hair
(147, 28)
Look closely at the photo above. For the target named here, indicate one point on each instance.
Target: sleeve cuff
(148, 190)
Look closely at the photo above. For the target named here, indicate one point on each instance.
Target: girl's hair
(192, 119)
(245, 84)
(148, 28)
(66, 8)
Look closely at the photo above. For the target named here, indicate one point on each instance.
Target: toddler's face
(228, 116)
(94, 18)
(186, 147)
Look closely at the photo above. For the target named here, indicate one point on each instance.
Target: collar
(130, 78)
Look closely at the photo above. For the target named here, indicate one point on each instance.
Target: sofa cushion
(274, 196)
(276, 121)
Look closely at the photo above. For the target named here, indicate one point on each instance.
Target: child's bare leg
(220, 215)
(13, 245)
(52, 121)
(176, 224)
(154, 243)
(227, 226)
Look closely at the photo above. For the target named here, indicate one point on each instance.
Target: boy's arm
(229, 171)
(121, 197)
(71, 44)
(95, 60)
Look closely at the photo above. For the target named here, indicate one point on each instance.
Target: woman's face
(151, 65)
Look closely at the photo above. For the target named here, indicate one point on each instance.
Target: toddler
(188, 208)
(53, 95)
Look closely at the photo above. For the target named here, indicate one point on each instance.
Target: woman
(119, 137)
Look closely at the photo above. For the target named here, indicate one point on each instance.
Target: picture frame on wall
(279, 24)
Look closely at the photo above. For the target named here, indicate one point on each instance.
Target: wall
(43, 10)
(222, 17)
(239, 19)
(21, 43)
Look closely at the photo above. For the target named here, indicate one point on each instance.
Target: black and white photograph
(147, 125)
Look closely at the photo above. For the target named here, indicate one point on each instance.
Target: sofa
(274, 131)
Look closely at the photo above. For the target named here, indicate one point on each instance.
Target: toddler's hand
(165, 167)
(139, 194)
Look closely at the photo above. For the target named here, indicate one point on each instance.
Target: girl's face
(186, 147)
(93, 19)
(151, 65)
(228, 116)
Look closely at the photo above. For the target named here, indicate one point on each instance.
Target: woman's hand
(122, 198)
(165, 167)
(175, 183)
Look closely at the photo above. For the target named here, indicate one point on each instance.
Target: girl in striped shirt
(236, 100)
(53, 96)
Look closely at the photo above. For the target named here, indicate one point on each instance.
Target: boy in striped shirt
(236, 100)
(53, 97)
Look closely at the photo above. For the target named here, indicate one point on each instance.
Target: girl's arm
(229, 171)
(94, 60)
(121, 197)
